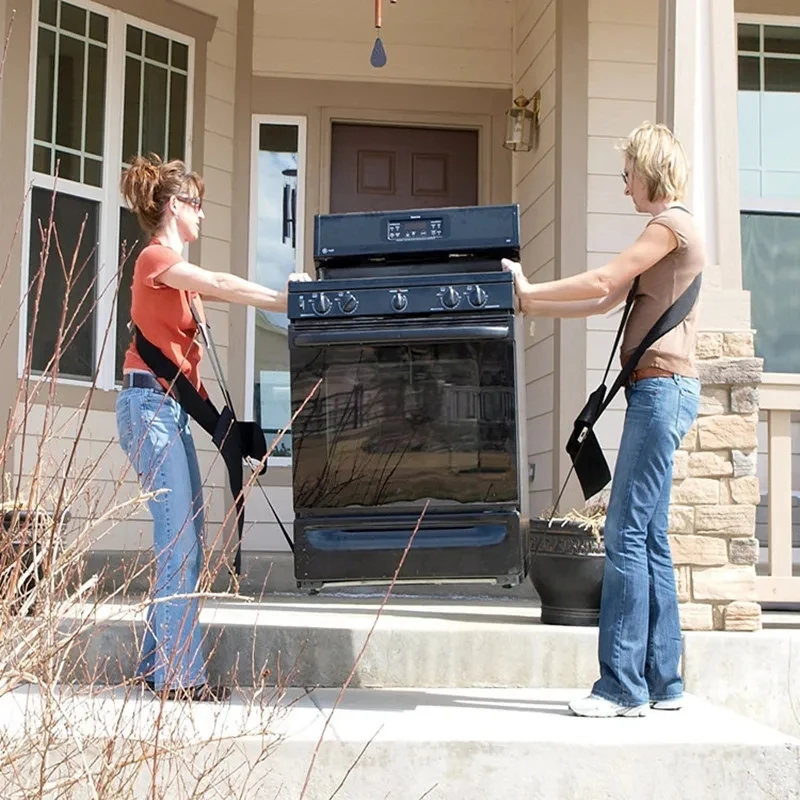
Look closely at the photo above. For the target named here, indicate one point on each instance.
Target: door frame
(482, 123)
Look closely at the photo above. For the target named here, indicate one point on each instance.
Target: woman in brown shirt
(640, 635)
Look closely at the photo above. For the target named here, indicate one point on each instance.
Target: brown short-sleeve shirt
(659, 287)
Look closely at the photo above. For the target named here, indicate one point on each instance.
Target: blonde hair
(148, 184)
(659, 158)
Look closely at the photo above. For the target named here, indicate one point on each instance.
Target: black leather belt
(141, 380)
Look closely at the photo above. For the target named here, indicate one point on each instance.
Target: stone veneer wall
(715, 491)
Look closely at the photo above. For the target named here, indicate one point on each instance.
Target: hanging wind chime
(378, 56)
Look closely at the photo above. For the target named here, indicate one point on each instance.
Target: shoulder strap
(622, 323)
(201, 410)
(670, 319)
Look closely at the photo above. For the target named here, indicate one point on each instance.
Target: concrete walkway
(408, 744)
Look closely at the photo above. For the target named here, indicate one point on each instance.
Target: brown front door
(382, 168)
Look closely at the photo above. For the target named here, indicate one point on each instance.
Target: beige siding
(534, 190)
(449, 42)
(623, 52)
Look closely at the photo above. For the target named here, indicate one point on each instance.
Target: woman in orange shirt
(154, 429)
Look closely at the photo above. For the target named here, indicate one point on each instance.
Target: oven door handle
(408, 333)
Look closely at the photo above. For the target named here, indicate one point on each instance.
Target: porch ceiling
(445, 42)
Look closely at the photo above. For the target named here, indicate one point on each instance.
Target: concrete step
(304, 642)
(315, 642)
(404, 744)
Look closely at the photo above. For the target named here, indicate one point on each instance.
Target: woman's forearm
(564, 309)
(586, 286)
(238, 290)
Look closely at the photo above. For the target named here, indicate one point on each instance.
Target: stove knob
(322, 304)
(349, 303)
(477, 297)
(399, 301)
(450, 297)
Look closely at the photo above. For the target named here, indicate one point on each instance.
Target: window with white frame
(769, 170)
(276, 250)
(106, 87)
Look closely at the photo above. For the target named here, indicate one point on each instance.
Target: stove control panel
(414, 228)
(425, 296)
(393, 235)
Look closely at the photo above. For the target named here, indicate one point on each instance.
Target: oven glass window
(397, 425)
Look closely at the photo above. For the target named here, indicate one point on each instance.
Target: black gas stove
(410, 330)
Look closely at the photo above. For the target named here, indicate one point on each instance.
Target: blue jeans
(640, 633)
(154, 433)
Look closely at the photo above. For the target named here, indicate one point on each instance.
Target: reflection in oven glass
(399, 425)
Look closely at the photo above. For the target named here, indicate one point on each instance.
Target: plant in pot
(567, 559)
(29, 538)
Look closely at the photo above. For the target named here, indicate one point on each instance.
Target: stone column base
(715, 491)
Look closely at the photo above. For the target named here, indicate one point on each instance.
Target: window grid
(143, 61)
(86, 39)
(761, 203)
(112, 25)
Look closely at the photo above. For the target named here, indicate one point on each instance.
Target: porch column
(715, 489)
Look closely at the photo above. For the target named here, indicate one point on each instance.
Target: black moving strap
(235, 440)
(588, 460)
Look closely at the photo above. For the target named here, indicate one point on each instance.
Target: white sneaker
(593, 706)
(667, 705)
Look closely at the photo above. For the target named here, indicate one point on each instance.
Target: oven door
(407, 411)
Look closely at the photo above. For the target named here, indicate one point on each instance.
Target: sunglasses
(625, 177)
(195, 202)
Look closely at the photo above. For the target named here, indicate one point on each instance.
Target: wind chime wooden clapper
(378, 57)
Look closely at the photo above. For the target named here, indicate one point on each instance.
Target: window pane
(156, 47)
(781, 185)
(780, 122)
(276, 257)
(68, 165)
(95, 100)
(77, 353)
(154, 106)
(41, 159)
(781, 75)
(749, 183)
(45, 83)
(748, 38)
(749, 130)
(749, 74)
(73, 19)
(177, 116)
(131, 242)
(770, 255)
(69, 101)
(782, 39)
(130, 123)
(98, 28)
(47, 11)
(180, 56)
(133, 40)
(93, 172)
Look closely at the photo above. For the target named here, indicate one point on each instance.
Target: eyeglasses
(625, 177)
(195, 202)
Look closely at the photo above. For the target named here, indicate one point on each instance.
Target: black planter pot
(567, 572)
(19, 549)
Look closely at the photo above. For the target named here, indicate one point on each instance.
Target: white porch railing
(778, 580)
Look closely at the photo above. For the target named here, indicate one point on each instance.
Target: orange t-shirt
(163, 315)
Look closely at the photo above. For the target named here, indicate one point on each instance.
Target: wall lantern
(522, 123)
